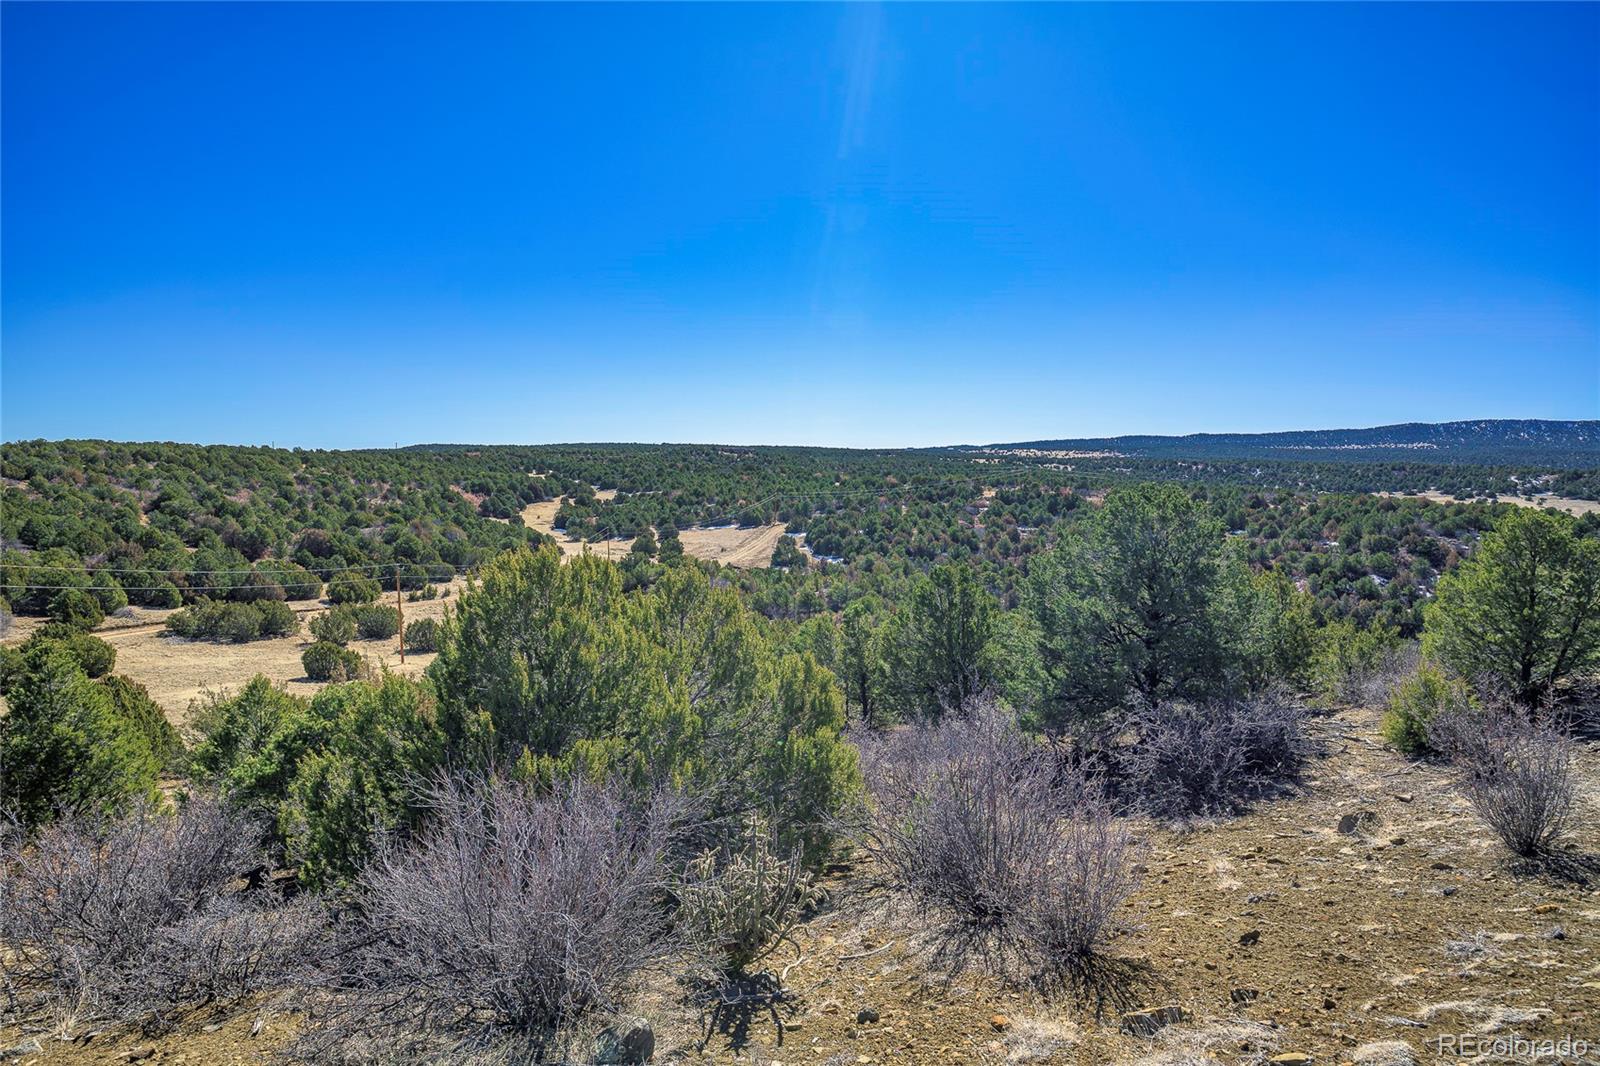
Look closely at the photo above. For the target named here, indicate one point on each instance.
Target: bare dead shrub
(1011, 857)
(1184, 758)
(131, 917)
(513, 916)
(1516, 773)
(1375, 683)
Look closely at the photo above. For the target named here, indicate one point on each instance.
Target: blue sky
(899, 225)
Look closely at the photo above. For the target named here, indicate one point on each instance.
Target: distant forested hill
(1496, 441)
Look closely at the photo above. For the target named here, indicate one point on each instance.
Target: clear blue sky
(900, 225)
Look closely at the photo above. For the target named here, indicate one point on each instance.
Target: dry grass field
(746, 548)
(179, 672)
(1554, 503)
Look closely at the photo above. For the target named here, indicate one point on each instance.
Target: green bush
(107, 592)
(1416, 702)
(328, 772)
(93, 654)
(335, 626)
(377, 621)
(133, 704)
(325, 661)
(351, 587)
(277, 619)
(228, 622)
(1350, 658)
(76, 608)
(297, 582)
(422, 635)
(64, 746)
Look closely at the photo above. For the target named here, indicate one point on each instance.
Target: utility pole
(399, 606)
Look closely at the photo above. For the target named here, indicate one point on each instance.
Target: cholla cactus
(740, 905)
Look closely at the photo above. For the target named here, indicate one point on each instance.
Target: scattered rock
(1250, 939)
(1357, 822)
(627, 1044)
(1149, 1021)
(866, 1016)
(27, 1047)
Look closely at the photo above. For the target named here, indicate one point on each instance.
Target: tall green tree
(549, 667)
(1136, 602)
(1524, 609)
(862, 668)
(937, 648)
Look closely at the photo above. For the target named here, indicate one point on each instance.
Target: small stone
(1292, 1058)
(1328, 1003)
(1547, 908)
(627, 1044)
(1243, 995)
(1396, 841)
(999, 1023)
(1449, 890)
(1250, 939)
(1404, 797)
(866, 1016)
(1356, 822)
(1440, 866)
(1149, 1021)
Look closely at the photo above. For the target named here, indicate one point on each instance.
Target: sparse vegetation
(1186, 758)
(128, 918)
(515, 916)
(1010, 857)
(1035, 678)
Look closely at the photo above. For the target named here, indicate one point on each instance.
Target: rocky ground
(1359, 921)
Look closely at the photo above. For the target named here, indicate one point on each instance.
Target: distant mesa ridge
(1492, 441)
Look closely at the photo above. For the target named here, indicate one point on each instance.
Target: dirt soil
(1273, 933)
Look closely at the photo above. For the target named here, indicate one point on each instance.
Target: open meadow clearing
(737, 546)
